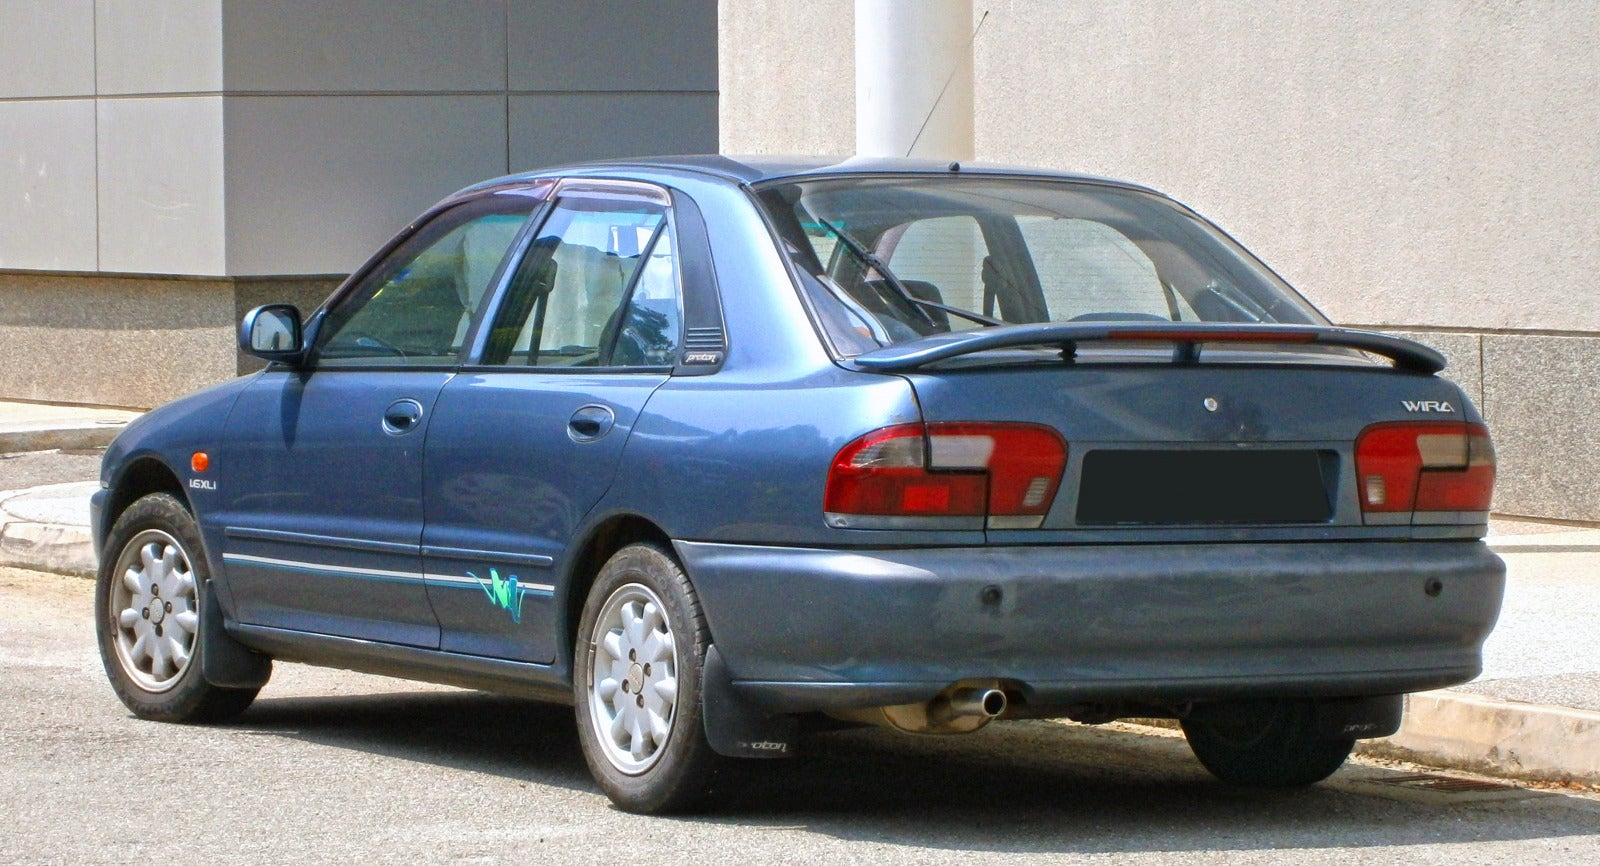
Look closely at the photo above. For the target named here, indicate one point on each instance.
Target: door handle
(401, 417)
(590, 423)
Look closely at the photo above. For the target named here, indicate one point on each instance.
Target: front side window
(416, 307)
(598, 287)
(971, 252)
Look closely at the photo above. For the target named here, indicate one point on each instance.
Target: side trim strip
(318, 540)
(446, 580)
(344, 570)
(454, 582)
(534, 559)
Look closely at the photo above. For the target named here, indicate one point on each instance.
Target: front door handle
(591, 422)
(402, 417)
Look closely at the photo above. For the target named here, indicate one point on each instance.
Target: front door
(525, 441)
(323, 466)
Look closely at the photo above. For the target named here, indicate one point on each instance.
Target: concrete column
(908, 53)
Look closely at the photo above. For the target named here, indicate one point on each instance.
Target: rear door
(527, 439)
(322, 467)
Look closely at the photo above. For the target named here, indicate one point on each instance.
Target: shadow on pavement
(1013, 788)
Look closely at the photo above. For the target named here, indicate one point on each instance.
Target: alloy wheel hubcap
(633, 682)
(154, 610)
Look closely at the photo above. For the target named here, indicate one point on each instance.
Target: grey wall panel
(158, 46)
(47, 48)
(365, 45)
(316, 183)
(660, 45)
(160, 184)
(553, 128)
(47, 187)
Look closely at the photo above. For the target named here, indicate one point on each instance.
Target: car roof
(746, 170)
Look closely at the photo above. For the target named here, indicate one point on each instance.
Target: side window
(1089, 270)
(597, 287)
(415, 308)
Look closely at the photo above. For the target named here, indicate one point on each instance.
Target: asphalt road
(23, 469)
(333, 767)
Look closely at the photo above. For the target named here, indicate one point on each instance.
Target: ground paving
(1534, 712)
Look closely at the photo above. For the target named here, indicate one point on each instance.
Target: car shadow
(473, 731)
(1019, 787)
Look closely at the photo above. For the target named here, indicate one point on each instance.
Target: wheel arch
(141, 477)
(603, 540)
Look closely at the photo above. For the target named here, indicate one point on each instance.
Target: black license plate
(1169, 487)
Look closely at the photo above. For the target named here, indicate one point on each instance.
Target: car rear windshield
(886, 259)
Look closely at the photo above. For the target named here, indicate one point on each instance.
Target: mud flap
(734, 727)
(224, 662)
(1359, 718)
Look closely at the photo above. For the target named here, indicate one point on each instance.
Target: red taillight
(1438, 466)
(1007, 473)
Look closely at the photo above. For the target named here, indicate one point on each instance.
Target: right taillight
(1408, 467)
(963, 474)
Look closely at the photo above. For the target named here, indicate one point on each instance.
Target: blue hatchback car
(712, 448)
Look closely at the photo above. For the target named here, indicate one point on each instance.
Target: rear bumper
(807, 629)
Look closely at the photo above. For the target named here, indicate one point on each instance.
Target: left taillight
(1407, 468)
(947, 475)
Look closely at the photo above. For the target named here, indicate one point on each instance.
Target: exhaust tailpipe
(959, 709)
(966, 703)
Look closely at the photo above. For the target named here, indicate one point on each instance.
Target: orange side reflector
(200, 462)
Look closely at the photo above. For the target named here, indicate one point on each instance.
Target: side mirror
(272, 333)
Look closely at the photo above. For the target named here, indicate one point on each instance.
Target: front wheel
(147, 611)
(637, 667)
(1268, 744)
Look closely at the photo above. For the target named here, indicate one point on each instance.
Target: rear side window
(597, 287)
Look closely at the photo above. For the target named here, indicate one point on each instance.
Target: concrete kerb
(33, 533)
(1507, 739)
(65, 439)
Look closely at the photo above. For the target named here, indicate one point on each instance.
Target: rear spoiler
(1187, 338)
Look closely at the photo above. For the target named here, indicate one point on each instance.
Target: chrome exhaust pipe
(966, 703)
(960, 709)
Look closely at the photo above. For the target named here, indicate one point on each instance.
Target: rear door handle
(591, 422)
(402, 417)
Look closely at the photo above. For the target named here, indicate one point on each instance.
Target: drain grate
(1443, 784)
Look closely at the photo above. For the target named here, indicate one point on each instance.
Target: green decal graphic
(504, 593)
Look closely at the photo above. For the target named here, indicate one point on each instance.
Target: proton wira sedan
(714, 449)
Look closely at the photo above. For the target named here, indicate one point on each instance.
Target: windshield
(890, 259)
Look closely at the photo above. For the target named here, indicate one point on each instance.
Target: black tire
(642, 770)
(1265, 744)
(147, 616)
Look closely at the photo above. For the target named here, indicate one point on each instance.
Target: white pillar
(908, 52)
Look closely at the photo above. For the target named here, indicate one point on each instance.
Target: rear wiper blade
(921, 305)
(1186, 338)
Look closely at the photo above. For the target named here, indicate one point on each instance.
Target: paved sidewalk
(1533, 714)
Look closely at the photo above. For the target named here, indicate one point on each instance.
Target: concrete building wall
(165, 159)
(1430, 168)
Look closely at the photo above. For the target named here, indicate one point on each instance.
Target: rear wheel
(1271, 744)
(148, 609)
(640, 651)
